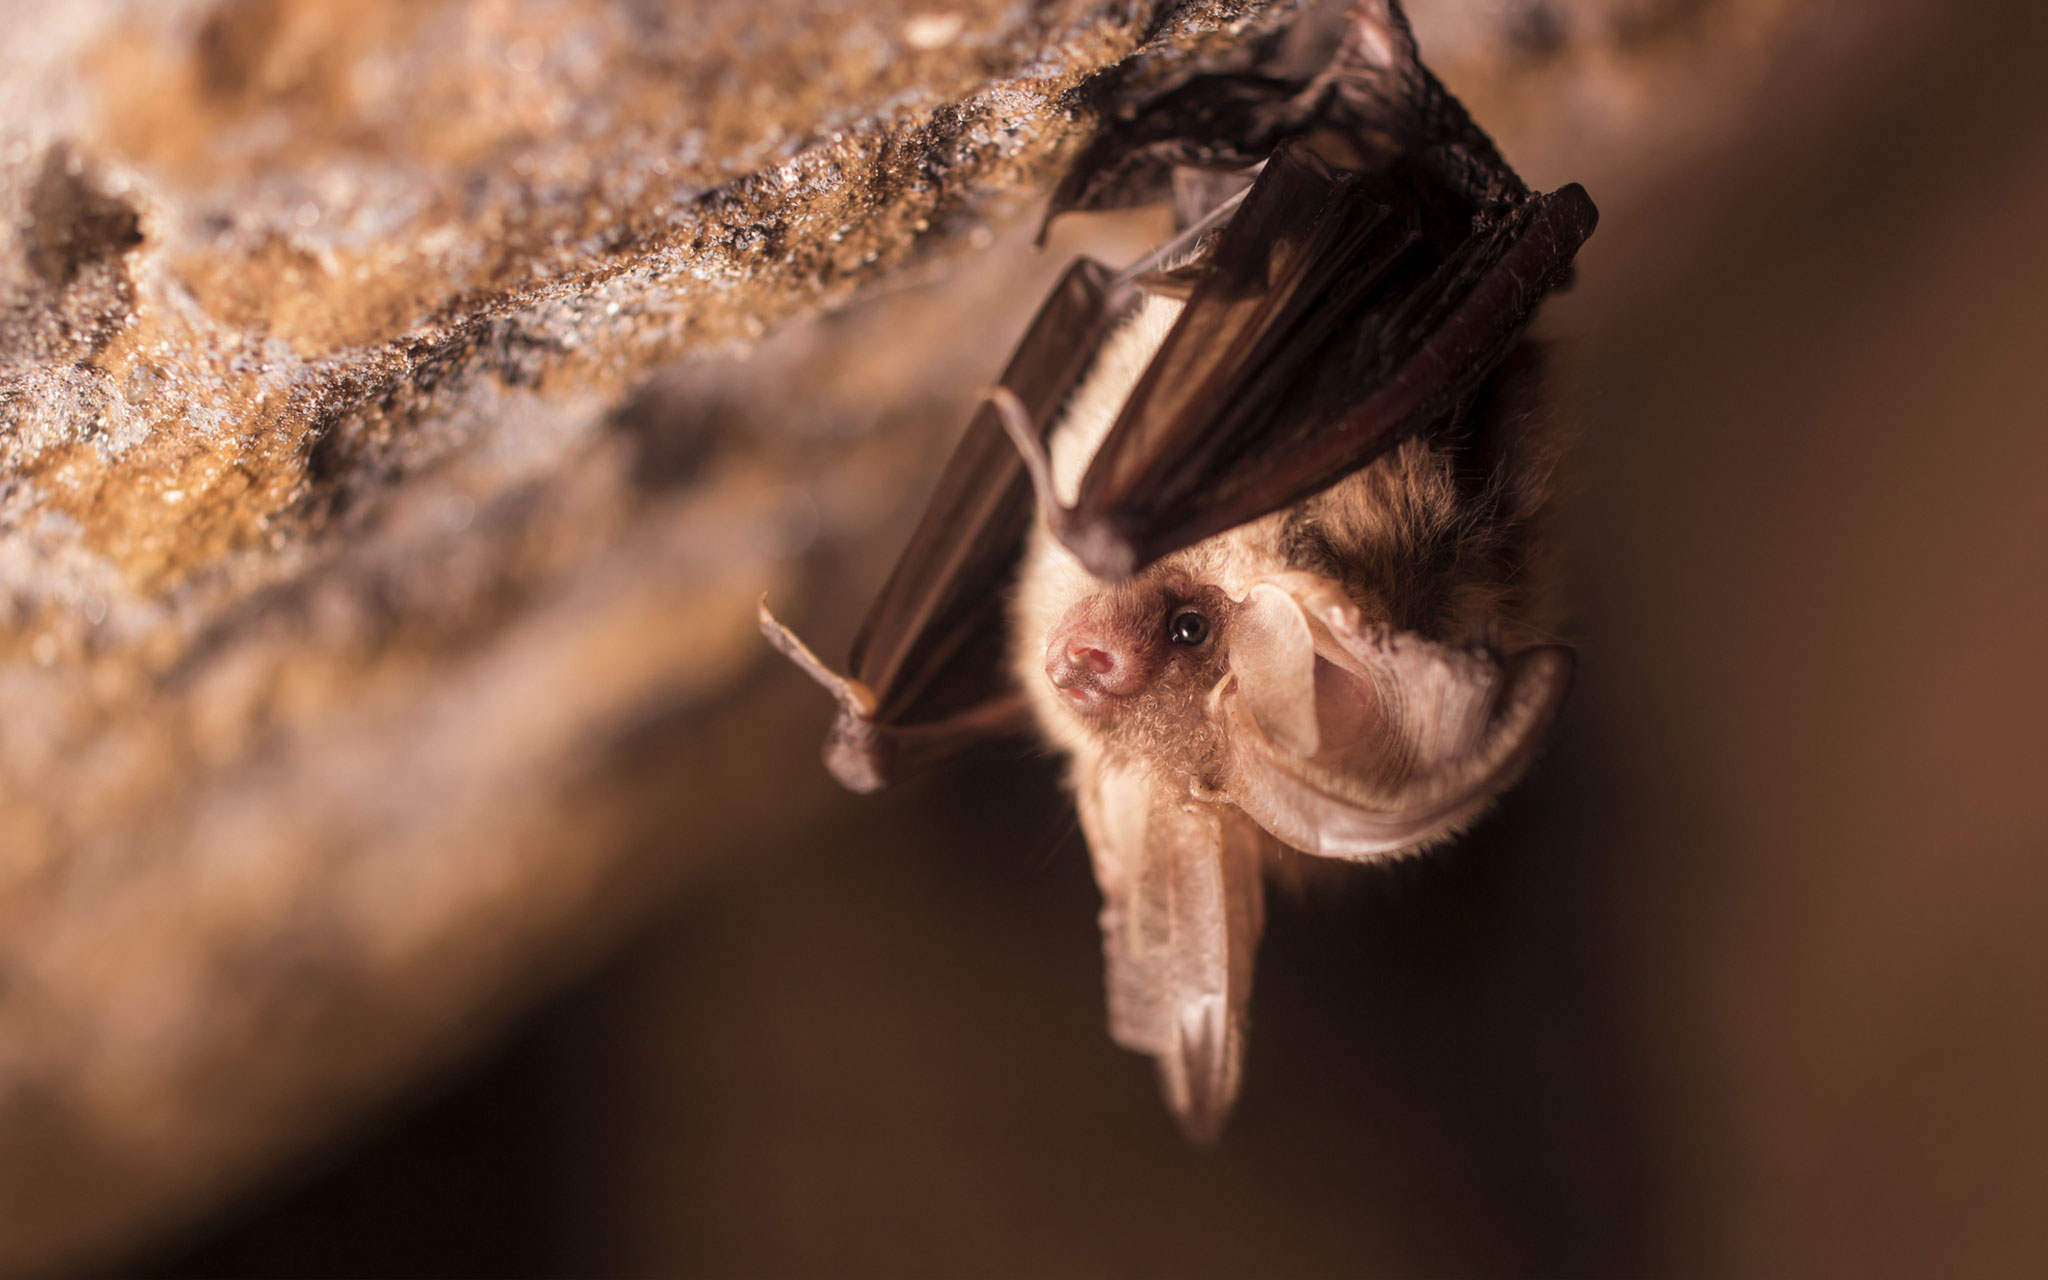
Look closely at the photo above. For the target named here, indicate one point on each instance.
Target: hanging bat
(1248, 530)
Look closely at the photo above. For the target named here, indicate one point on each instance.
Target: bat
(1249, 530)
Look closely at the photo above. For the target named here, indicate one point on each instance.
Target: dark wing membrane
(1211, 122)
(953, 575)
(1376, 90)
(928, 675)
(1367, 83)
(1342, 312)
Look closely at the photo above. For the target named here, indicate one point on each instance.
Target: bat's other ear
(1182, 908)
(1354, 742)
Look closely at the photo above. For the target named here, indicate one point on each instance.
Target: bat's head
(1139, 649)
(1219, 704)
(1270, 690)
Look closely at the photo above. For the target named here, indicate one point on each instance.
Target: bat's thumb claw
(1106, 553)
(1025, 434)
(852, 694)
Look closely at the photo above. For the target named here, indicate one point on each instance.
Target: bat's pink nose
(1086, 671)
(1088, 658)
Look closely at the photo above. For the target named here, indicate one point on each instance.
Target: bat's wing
(1359, 77)
(1182, 909)
(1383, 263)
(927, 675)
(1210, 123)
(1355, 742)
(1339, 312)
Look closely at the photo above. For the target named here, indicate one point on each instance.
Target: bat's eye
(1188, 627)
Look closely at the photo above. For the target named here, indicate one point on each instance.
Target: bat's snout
(1088, 669)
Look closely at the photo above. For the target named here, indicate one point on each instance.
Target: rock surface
(392, 449)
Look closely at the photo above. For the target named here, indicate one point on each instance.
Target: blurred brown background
(1745, 979)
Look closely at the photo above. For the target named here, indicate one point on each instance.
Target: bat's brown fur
(1449, 537)
(1446, 536)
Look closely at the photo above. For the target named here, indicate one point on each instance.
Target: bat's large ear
(1354, 742)
(1182, 908)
